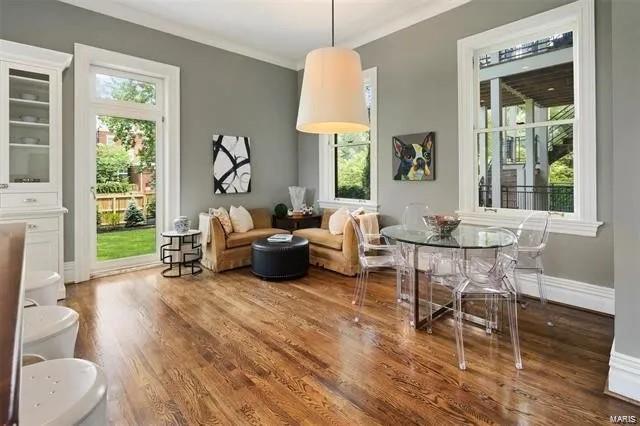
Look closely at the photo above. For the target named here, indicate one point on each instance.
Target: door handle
(93, 192)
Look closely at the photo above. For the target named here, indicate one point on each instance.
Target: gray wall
(221, 92)
(626, 195)
(417, 91)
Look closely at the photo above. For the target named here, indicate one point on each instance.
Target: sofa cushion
(240, 219)
(321, 237)
(239, 239)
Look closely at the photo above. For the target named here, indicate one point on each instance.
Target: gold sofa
(223, 252)
(338, 253)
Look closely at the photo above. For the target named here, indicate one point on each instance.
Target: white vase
(297, 197)
(181, 224)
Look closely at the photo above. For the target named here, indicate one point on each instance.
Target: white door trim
(168, 145)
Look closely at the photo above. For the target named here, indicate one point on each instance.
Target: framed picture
(414, 157)
(231, 164)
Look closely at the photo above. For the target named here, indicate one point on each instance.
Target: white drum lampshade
(332, 96)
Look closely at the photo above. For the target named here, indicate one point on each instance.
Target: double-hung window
(527, 121)
(348, 169)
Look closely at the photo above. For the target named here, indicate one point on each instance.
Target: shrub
(151, 208)
(133, 215)
(112, 218)
(112, 187)
(98, 218)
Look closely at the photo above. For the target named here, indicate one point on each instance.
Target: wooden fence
(108, 203)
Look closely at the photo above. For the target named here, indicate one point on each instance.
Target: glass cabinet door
(29, 138)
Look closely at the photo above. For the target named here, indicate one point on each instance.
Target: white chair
(42, 286)
(49, 331)
(63, 392)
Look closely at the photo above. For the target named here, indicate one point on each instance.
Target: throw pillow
(338, 220)
(221, 214)
(240, 219)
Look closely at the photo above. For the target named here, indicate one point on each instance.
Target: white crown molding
(429, 10)
(119, 11)
(570, 292)
(624, 375)
(26, 54)
(116, 10)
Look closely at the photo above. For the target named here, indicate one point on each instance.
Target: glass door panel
(125, 190)
(29, 127)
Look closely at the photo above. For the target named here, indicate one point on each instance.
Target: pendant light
(332, 95)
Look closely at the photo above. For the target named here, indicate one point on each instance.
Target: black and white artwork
(231, 164)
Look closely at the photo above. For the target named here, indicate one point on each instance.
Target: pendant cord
(333, 31)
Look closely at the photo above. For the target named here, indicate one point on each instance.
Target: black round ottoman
(280, 261)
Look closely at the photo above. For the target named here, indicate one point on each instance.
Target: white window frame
(166, 113)
(327, 198)
(579, 18)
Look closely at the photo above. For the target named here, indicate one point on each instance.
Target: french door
(125, 185)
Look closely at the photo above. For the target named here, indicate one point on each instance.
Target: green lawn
(132, 242)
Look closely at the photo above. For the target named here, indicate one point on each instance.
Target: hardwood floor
(232, 349)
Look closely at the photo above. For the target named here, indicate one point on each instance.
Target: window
(116, 88)
(527, 121)
(347, 161)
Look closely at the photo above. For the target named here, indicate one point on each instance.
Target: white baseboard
(570, 292)
(624, 375)
(69, 272)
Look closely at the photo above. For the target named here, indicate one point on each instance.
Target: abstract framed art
(231, 164)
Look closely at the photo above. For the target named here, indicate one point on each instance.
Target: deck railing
(557, 198)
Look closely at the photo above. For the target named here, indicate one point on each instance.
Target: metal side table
(183, 250)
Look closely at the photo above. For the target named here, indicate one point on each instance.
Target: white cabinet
(31, 149)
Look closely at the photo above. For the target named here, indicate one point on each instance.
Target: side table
(291, 223)
(183, 250)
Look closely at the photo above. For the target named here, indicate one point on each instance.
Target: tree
(128, 130)
(112, 163)
(133, 215)
(561, 171)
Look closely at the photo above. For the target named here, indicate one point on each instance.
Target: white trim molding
(513, 218)
(31, 55)
(326, 158)
(624, 375)
(166, 113)
(570, 292)
(69, 272)
(120, 11)
(579, 18)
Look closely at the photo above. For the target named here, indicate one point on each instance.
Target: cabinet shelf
(29, 80)
(26, 102)
(28, 145)
(28, 123)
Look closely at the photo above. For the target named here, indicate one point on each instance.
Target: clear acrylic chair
(412, 219)
(491, 284)
(372, 256)
(533, 234)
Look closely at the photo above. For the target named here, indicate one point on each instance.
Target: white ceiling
(276, 31)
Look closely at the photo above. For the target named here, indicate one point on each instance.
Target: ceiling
(276, 31)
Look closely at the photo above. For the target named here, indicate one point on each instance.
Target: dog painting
(414, 157)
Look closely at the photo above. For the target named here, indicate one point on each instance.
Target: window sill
(369, 206)
(559, 225)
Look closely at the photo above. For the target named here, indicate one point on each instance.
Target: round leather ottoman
(279, 261)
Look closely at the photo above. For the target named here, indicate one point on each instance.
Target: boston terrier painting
(414, 156)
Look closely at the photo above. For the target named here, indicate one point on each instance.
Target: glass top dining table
(464, 237)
